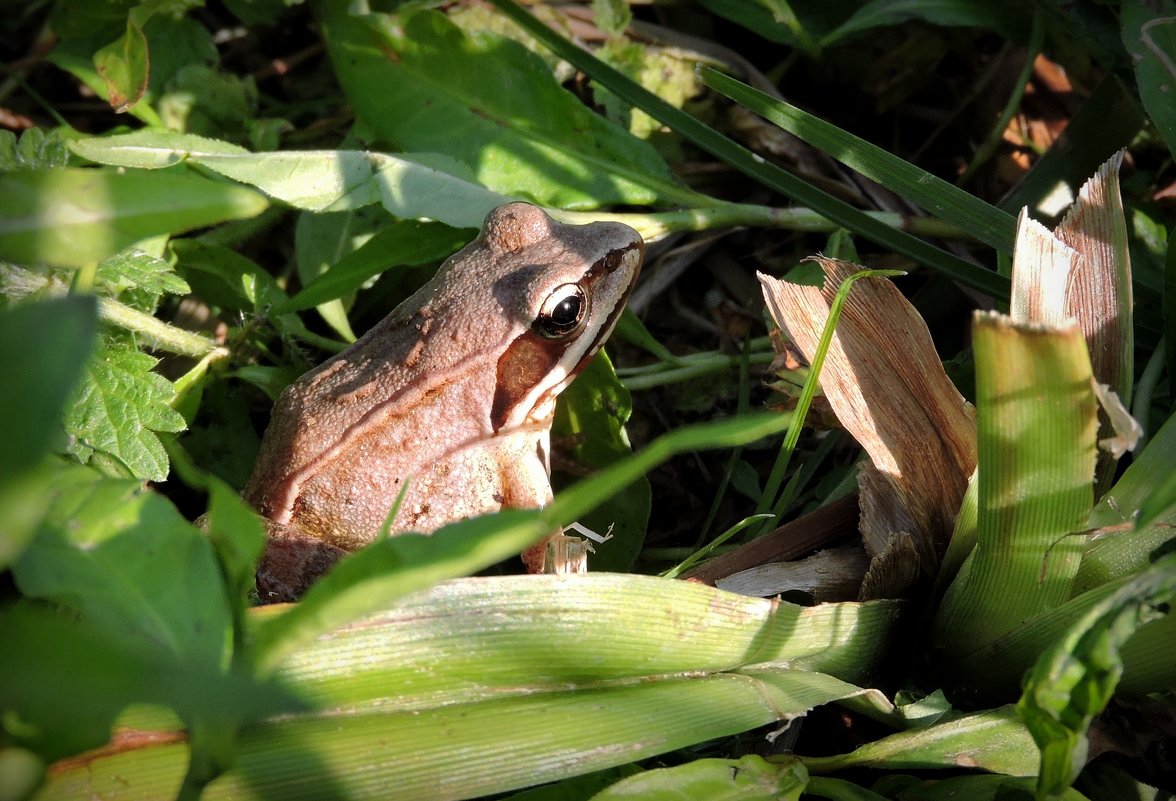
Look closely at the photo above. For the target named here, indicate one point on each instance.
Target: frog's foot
(291, 563)
(562, 552)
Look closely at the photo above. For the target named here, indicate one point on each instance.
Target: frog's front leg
(526, 484)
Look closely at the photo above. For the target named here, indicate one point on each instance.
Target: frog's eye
(563, 312)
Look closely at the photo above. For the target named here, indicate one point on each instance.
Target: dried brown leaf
(884, 379)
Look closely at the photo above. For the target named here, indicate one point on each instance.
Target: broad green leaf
(119, 409)
(776, 21)
(409, 186)
(755, 166)
(210, 102)
(1036, 421)
(464, 750)
(237, 534)
(420, 82)
(124, 557)
(390, 568)
(946, 201)
(982, 787)
(480, 639)
(751, 778)
(527, 679)
(152, 150)
(1073, 681)
(1147, 663)
(321, 240)
(993, 740)
(66, 681)
(30, 419)
(65, 710)
(74, 216)
(589, 430)
(226, 278)
(1149, 34)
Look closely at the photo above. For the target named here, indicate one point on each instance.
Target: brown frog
(454, 392)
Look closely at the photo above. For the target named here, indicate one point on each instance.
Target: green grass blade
(944, 200)
(754, 166)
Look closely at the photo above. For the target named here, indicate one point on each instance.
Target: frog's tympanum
(452, 392)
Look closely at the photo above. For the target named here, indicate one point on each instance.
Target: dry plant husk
(886, 383)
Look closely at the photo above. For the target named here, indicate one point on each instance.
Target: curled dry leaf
(884, 380)
(832, 575)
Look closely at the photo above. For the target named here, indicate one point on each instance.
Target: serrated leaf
(422, 83)
(139, 278)
(35, 150)
(119, 409)
(1072, 682)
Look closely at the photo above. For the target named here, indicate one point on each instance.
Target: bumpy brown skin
(453, 391)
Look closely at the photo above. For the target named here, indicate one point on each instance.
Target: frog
(447, 403)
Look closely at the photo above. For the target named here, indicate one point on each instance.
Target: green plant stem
(658, 224)
(714, 363)
(155, 332)
(19, 282)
